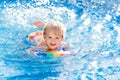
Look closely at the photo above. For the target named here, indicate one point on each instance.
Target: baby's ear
(62, 36)
(44, 36)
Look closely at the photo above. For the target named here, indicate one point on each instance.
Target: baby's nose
(53, 40)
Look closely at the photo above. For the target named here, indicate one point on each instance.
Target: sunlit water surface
(93, 30)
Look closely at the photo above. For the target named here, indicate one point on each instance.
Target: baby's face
(53, 41)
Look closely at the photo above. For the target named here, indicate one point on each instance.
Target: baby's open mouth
(52, 44)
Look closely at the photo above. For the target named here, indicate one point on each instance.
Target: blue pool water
(93, 30)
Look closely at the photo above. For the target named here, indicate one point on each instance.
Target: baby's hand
(30, 51)
(38, 23)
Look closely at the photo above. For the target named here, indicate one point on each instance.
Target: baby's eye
(49, 37)
(57, 37)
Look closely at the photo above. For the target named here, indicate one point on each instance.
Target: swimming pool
(93, 29)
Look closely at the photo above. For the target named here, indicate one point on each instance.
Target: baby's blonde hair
(56, 27)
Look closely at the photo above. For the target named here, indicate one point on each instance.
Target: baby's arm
(30, 51)
(39, 23)
(33, 50)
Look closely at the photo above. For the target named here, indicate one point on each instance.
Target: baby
(51, 38)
